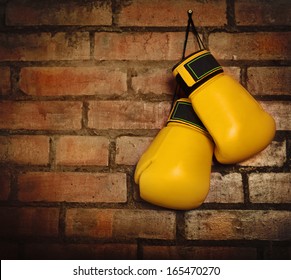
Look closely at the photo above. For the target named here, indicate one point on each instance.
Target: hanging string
(190, 24)
(194, 31)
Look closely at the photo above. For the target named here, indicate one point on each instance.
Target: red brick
(270, 188)
(4, 185)
(5, 86)
(198, 253)
(29, 221)
(225, 189)
(238, 224)
(51, 115)
(130, 46)
(280, 111)
(273, 155)
(172, 13)
(55, 251)
(261, 12)
(58, 81)
(44, 46)
(269, 80)
(141, 46)
(82, 150)
(72, 187)
(58, 13)
(153, 80)
(255, 46)
(119, 223)
(24, 149)
(129, 149)
(131, 114)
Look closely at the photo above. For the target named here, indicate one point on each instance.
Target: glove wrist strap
(195, 70)
(184, 113)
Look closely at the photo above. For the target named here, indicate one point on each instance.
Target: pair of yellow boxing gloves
(174, 172)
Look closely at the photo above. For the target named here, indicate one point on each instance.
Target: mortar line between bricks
(288, 151)
(87, 132)
(152, 242)
(280, 207)
(112, 154)
(13, 186)
(230, 15)
(244, 76)
(130, 97)
(92, 45)
(114, 133)
(52, 153)
(128, 168)
(84, 118)
(229, 28)
(115, 8)
(129, 63)
(246, 191)
(180, 227)
(62, 222)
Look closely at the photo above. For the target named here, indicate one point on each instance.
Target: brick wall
(84, 88)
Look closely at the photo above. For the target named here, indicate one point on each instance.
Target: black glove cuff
(201, 68)
(183, 112)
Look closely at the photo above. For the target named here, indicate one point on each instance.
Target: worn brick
(24, 149)
(72, 187)
(29, 221)
(261, 12)
(198, 253)
(129, 149)
(58, 81)
(141, 46)
(5, 86)
(130, 46)
(254, 46)
(30, 13)
(238, 224)
(5, 179)
(225, 189)
(51, 115)
(82, 150)
(153, 80)
(234, 72)
(273, 155)
(270, 188)
(172, 13)
(81, 251)
(269, 80)
(119, 223)
(280, 111)
(131, 114)
(44, 46)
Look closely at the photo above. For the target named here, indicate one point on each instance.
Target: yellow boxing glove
(237, 123)
(174, 172)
